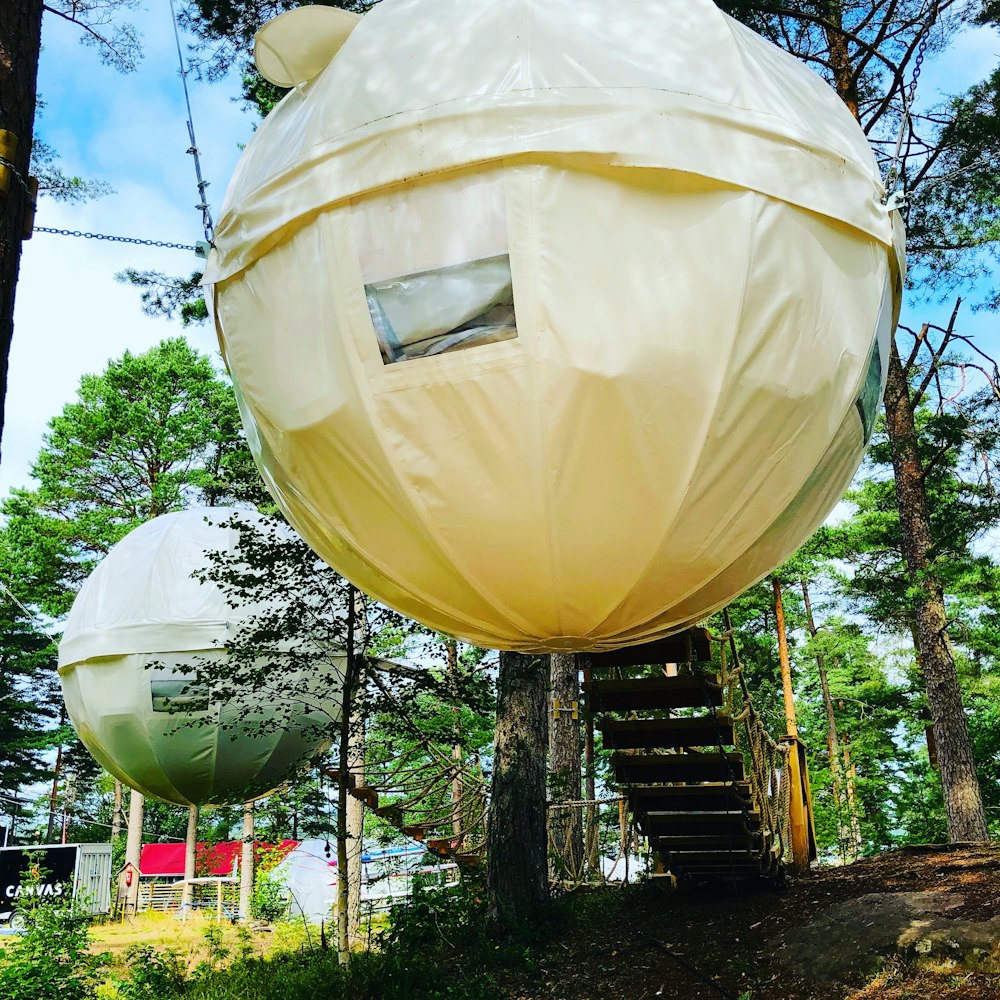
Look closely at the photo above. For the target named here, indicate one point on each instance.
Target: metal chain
(17, 176)
(116, 239)
(907, 94)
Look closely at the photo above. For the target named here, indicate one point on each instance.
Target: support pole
(129, 894)
(246, 862)
(190, 852)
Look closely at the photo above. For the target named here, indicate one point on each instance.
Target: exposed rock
(853, 938)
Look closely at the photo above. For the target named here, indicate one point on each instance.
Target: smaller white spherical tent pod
(140, 617)
(554, 323)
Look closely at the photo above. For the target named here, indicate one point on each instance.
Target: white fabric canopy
(554, 325)
(139, 625)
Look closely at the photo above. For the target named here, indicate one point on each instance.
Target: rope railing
(767, 760)
(583, 834)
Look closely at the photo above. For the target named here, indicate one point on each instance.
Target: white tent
(138, 621)
(554, 324)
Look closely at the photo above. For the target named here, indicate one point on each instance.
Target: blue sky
(72, 316)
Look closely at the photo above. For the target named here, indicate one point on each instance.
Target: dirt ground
(912, 924)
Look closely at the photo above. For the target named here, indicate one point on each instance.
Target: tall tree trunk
(190, 856)
(852, 797)
(517, 865)
(590, 787)
(54, 796)
(246, 862)
(963, 800)
(133, 851)
(832, 740)
(566, 827)
(20, 42)
(116, 814)
(343, 785)
(457, 750)
(355, 813)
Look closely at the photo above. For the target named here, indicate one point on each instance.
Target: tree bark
(565, 825)
(54, 796)
(343, 785)
(133, 851)
(20, 43)
(590, 787)
(517, 868)
(190, 856)
(963, 800)
(246, 862)
(116, 814)
(355, 815)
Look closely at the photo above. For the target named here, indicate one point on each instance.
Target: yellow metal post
(8, 150)
(800, 806)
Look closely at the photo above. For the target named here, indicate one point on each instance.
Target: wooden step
(681, 824)
(666, 734)
(366, 794)
(666, 768)
(712, 842)
(643, 694)
(689, 798)
(672, 649)
(721, 861)
(392, 812)
(418, 831)
(444, 846)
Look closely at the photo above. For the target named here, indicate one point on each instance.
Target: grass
(187, 937)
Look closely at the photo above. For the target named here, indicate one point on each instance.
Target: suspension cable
(206, 213)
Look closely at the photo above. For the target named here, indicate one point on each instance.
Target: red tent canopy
(210, 859)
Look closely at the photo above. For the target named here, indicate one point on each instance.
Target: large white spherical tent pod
(138, 618)
(554, 324)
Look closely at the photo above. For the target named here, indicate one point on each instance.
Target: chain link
(908, 93)
(17, 176)
(116, 239)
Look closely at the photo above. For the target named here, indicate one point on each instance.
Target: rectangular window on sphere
(177, 696)
(869, 399)
(443, 310)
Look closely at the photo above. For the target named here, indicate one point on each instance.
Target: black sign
(18, 865)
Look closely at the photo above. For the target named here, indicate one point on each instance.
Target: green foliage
(51, 959)
(269, 899)
(149, 973)
(154, 432)
(167, 296)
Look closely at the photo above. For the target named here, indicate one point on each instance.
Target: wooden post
(246, 862)
(133, 849)
(190, 854)
(218, 900)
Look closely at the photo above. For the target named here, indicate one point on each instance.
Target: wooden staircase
(684, 780)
